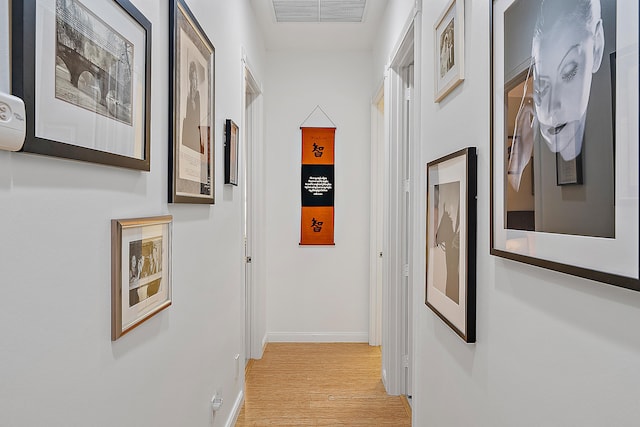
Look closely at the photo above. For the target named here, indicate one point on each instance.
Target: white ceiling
(318, 35)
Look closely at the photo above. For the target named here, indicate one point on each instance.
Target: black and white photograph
(83, 68)
(451, 240)
(191, 169)
(145, 269)
(564, 146)
(141, 282)
(446, 245)
(560, 121)
(93, 62)
(449, 49)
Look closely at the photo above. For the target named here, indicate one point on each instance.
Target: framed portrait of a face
(449, 49)
(451, 241)
(140, 271)
(565, 123)
(191, 65)
(83, 68)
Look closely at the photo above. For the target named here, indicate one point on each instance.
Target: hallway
(310, 384)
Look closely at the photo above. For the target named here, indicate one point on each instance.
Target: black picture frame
(451, 240)
(609, 257)
(88, 109)
(191, 126)
(231, 135)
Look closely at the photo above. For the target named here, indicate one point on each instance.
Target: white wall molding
(318, 337)
(235, 411)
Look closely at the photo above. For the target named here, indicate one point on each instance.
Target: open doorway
(400, 104)
(251, 139)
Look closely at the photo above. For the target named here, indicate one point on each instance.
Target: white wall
(58, 366)
(552, 350)
(317, 293)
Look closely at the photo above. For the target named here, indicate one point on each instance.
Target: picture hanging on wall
(449, 49)
(83, 69)
(230, 153)
(140, 271)
(561, 125)
(317, 184)
(451, 241)
(191, 108)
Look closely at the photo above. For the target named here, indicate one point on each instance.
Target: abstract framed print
(451, 241)
(449, 49)
(140, 271)
(564, 121)
(191, 108)
(83, 68)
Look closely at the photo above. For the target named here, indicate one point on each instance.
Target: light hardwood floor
(319, 385)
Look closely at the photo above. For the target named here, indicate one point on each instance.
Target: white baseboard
(235, 411)
(318, 337)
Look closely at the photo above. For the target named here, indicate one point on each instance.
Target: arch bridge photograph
(93, 63)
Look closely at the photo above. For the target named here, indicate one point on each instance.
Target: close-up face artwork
(567, 49)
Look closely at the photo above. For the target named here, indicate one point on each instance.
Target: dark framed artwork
(191, 108)
(230, 152)
(83, 69)
(559, 121)
(449, 49)
(451, 240)
(140, 271)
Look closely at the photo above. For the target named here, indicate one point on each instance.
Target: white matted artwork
(451, 240)
(564, 178)
(140, 271)
(449, 49)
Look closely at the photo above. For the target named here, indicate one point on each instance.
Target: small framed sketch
(451, 241)
(230, 153)
(449, 49)
(191, 104)
(140, 271)
(83, 68)
(578, 148)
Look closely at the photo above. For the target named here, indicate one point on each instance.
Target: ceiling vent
(319, 10)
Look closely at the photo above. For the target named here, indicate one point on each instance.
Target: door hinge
(247, 259)
(405, 361)
(407, 94)
(405, 270)
(405, 185)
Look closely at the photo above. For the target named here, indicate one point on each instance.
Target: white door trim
(251, 131)
(398, 331)
(378, 138)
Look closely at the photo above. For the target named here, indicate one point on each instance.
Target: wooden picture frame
(85, 99)
(449, 49)
(231, 135)
(191, 108)
(451, 241)
(140, 271)
(588, 230)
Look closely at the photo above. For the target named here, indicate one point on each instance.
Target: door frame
(376, 224)
(397, 326)
(251, 131)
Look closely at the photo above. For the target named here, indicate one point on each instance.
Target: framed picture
(449, 49)
(83, 69)
(140, 271)
(568, 172)
(191, 95)
(451, 240)
(559, 118)
(230, 153)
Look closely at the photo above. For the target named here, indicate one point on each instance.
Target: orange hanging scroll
(317, 186)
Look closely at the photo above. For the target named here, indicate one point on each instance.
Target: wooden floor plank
(310, 384)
